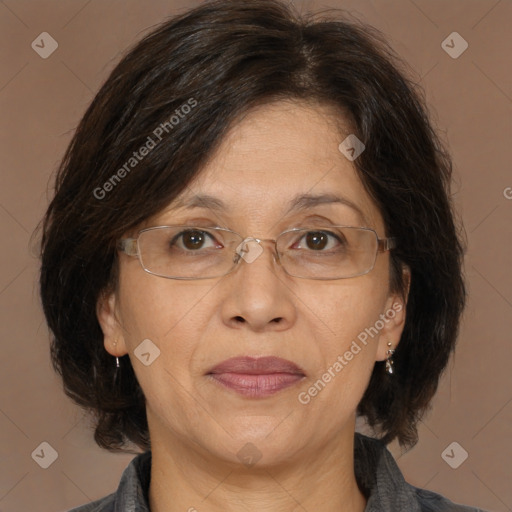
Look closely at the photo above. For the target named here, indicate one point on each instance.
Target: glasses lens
(187, 252)
(328, 253)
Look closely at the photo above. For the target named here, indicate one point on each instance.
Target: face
(333, 330)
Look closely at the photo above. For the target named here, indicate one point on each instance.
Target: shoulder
(132, 493)
(430, 501)
(105, 504)
(379, 476)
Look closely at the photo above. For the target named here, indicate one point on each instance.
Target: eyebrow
(297, 204)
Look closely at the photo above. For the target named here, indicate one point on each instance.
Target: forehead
(280, 159)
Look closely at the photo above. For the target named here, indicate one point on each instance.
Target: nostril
(239, 319)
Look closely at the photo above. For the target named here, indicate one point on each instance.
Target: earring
(117, 358)
(389, 360)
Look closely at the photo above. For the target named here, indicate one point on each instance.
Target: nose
(258, 293)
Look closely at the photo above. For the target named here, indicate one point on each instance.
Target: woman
(250, 245)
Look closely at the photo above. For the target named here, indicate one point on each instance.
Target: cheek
(165, 319)
(345, 339)
(345, 309)
(163, 309)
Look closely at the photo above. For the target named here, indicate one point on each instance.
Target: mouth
(256, 377)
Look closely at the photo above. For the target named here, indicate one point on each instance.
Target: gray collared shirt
(375, 469)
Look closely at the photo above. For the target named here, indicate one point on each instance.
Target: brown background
(41, 101)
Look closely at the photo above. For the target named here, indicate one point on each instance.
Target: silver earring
(389, 360)
(117, 358)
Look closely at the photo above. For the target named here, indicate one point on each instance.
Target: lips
(256, 377)
(257, 366)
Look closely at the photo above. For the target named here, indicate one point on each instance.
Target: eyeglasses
(193, 252)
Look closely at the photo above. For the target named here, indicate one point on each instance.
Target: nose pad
(249, 249)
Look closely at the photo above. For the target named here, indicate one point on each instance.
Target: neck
(184, 477)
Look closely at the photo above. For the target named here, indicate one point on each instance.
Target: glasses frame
(130, 246)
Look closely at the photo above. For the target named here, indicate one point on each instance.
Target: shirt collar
(133, 492)
(375, 469)
(380, 478)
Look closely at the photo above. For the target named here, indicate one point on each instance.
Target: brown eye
(316, 240)
(193, 239)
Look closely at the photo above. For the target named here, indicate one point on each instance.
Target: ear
(393, 317)
(113, 338)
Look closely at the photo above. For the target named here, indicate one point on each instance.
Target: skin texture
(196, 425)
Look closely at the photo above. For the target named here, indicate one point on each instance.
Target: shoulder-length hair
(176, 93)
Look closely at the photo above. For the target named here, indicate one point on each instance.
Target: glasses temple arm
(128, 246)
(385, 244)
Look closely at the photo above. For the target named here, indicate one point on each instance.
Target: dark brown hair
(225, 57)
